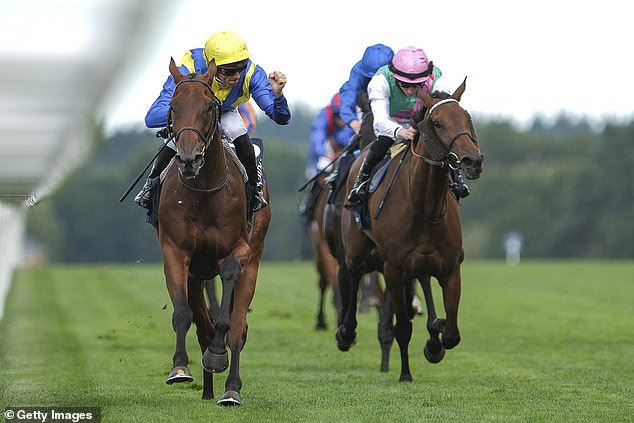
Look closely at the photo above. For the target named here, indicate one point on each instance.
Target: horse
(203, 232)
(326, 265)
(413, 229)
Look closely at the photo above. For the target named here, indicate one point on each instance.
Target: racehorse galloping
(202, 231)
(417, 232)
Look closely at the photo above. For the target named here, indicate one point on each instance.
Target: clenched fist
(278, 81)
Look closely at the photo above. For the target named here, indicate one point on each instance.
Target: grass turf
(542, 342)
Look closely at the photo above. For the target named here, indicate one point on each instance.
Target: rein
(213, 127)
(451, 159)
(455, 163)
(409, 190)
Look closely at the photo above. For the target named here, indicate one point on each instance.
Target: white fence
(12, 223)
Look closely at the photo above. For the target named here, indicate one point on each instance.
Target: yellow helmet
(226, 47)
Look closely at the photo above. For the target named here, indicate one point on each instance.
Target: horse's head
(195, 116)
(449, 133)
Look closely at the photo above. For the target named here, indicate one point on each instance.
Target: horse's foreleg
(204, 328)
(434, 351)
(385, 329)
(403, 328)
(215, 358)
(451, 297)
(243, 295)
(321, 318)
(348, 287)
(181, 321)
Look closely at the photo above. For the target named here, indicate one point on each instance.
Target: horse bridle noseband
(215, 123)
(455, 163)
(206, 138)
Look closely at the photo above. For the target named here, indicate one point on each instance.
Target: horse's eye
(437, 124)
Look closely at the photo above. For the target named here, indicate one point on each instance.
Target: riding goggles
(408, 85)
(231, 68)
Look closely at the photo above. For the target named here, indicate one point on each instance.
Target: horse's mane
(418, 115)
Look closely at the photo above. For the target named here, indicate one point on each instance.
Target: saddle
(339, 177)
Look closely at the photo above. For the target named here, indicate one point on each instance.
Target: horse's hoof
(230, 398)
(434, 351)
(344, 342)
(321, 325)
(179, 374)
(215, 363)
(449, 341)
(405, 378)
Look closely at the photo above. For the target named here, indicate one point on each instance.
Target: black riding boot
(143, 198)
(246, 154)
(460, 189)
(378, 149)
(307, 206)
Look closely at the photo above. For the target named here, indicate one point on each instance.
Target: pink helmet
(411, 65)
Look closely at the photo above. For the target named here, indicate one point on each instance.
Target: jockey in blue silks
(328, 134)
(374, 57)
(237, 80)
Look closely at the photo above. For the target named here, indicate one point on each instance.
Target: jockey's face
(231, 72)
(230, 80)
(409, 89)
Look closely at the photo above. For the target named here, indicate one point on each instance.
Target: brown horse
(325, 263)
(203, 233)
(414, 228)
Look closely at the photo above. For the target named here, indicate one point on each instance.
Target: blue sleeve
(318, 138)
(156, 117)
(348, 93)
(274, 107)
(343, 136)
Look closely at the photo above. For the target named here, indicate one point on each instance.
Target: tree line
(567, 188)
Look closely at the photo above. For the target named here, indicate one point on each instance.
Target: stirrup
(358, 192)
(258, 201)
(144, 197)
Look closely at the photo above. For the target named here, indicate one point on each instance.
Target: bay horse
(203, 233)
(414, 228)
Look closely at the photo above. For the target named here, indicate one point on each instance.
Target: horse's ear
(211, 70)
(425, 98)
(176, 73)
(460, 90)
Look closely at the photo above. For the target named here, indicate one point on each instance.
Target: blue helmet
(374, 57)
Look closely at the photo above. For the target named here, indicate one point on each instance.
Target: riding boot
(307, 206)
(144, 197)
(460, 189)
(246, 154)
(378, 149)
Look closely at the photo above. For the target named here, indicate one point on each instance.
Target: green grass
(541, 342)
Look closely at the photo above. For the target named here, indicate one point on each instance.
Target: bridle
(451, 159)
(206, 137)
(213, 125)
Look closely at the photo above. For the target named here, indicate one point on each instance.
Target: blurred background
(551, 100)
(59, 63)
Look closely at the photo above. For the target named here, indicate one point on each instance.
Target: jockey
(237, 80)
(328, 135)
(392, 94)
(374, 57)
